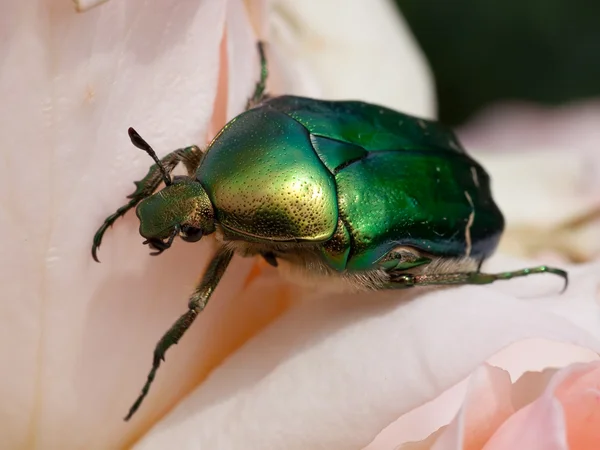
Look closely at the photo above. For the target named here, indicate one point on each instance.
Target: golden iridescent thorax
(267, 186)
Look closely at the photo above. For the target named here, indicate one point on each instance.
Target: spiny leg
(402, 280)
(196, 304)
(259, 91)
(189, 156)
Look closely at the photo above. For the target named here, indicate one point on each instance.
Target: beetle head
(182, 208)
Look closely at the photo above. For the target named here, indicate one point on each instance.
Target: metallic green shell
(400, 181)
(265, 181)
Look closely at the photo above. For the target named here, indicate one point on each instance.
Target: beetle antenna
(140, 143)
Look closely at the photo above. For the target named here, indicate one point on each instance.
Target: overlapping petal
(360, 50)
(331, 373)
(76, 336)
(545, 171)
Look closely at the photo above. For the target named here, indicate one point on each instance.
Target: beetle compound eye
(191, 234)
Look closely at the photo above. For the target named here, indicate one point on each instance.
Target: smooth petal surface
(579, 395)
(84, 5)
(421, 427)
(76, 337)
(564, 129)
(542, 410)
(242, 57)
(381, 63)
(486, 406)
(333, 372)
(542, 194)
(560, 411)
(552, 209)
(85, 332)
(540, 426)
(547, 424)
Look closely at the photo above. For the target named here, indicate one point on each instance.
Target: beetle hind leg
(259, 91)
(405, 280)
(189, 156)
(196, 305)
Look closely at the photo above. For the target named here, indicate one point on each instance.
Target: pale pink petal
(332, 372)
(532, 384)
(242, 57)
(517, 359)
(539, 426)
(425, 444)
(219, 113)
(580, 304)
(84, 5)
(486, 406)
(543, 203)
(420, 424)
(565, 416)
(568, 128)
(531, 355)
(363, 50)
(77, 337)
(528, 192)
(239, 66)
(579, 394)
(260, 14)
(576, 387)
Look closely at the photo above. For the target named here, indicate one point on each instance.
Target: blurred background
(519, 80)
(543, 51)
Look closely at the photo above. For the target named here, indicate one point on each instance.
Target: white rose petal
(333, 372)
(358, 50)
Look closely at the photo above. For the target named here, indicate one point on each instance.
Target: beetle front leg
(259, 91)
(196, 305)
(189, 156)
(405, 280)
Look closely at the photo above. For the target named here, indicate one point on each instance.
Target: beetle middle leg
(196, 305)
(259, 91)
(405, 280)
(189, 156)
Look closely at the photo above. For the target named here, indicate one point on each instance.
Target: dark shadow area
(544, 51)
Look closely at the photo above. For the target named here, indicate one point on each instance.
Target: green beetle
(343, 190)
